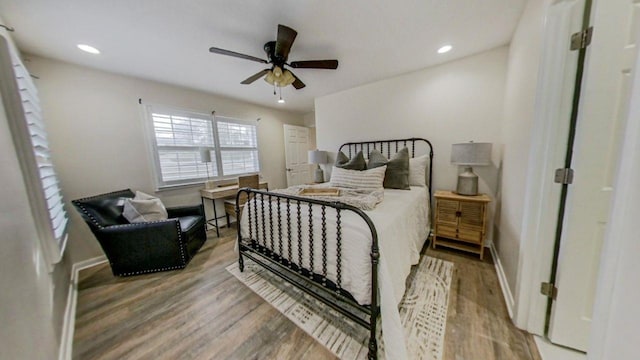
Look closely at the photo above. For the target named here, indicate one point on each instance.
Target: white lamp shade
(205, 155)
(471, 154)
(317, 157)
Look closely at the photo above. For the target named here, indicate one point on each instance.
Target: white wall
(519, 106)
(455, 102)
(97, 135)
(310, 119)
(32, 300)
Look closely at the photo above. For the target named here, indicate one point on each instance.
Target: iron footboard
(275, 241)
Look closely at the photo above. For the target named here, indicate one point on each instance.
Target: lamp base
(467, 183)
(319, 176)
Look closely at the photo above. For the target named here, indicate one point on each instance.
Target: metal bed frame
(266, 247)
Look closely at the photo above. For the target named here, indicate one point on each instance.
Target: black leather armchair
(140, 248)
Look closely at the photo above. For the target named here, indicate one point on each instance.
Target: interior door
(604, 99)
(296, 147)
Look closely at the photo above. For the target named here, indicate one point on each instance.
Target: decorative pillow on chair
(397, 175)
(418, 171)
(143, 208)
(356, 179)
(356, 163)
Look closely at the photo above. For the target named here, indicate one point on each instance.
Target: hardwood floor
(203, 312)
(478, 324)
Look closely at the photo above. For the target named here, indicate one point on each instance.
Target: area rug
(423, 310)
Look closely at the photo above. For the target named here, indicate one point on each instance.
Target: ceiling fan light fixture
(270, 78)
(279, 78)
(287, 78)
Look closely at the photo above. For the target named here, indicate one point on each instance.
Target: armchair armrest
(144, 247)
(186, 211)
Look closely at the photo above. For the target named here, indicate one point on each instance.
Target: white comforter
(401, 221)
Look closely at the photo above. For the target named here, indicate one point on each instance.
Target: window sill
(230, 180)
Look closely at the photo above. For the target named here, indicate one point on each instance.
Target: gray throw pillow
(397, 175)
(376, 159)
(356, 163)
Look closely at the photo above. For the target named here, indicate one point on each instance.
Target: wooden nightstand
(461, 221)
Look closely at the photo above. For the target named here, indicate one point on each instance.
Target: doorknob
(289, 169)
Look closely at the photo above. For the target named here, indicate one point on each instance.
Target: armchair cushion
(144, 207)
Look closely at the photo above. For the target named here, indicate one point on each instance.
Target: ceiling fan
(277, 54)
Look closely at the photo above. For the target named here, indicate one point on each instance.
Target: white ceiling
(168, 40)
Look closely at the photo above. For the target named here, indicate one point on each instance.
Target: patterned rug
(423, 310)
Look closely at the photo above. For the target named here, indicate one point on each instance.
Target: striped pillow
(371, 179)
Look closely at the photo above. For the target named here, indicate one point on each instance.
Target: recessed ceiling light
(88, 48)
(445, 49)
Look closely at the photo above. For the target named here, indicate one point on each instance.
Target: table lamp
(468, 155)
(205, 157)
(318, 157)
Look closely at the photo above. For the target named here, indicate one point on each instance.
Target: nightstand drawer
(447, 231)
(470, 235)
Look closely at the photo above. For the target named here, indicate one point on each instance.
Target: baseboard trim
(68, 326)
(502, 279)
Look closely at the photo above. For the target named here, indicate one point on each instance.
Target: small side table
(461, 221)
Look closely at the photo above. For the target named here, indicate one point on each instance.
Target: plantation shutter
(238, 146)
(30, 138)
(180, 137)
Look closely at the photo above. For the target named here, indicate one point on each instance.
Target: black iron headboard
(390, 148)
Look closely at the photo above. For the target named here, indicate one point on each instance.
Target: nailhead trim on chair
(93, 220)
(154, 270)
(84, 210)
(181, 245)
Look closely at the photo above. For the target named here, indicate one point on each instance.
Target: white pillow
(143, 208)
(418, 170)
(371, 179)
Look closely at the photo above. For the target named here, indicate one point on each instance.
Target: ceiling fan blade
(315, 64)
(255, 77)
(216, 50)
(286, 36)
(298, 84)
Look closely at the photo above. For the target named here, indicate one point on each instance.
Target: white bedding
(402, 223)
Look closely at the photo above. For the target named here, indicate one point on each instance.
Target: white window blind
(238, 146)
(181, 136)
(30, 137)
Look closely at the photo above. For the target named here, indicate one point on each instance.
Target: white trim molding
(502, 279)
(68, 326)
(556, 80)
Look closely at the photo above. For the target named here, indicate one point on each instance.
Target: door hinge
(581, 39)
(564, 176)
(549, 290)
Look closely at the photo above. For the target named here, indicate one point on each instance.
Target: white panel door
(603, 105)
(296, 147)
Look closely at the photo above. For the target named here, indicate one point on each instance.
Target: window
(22, 106)
(181, 137)
(238, 147)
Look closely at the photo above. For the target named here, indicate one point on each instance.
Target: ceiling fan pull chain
(274, 88)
